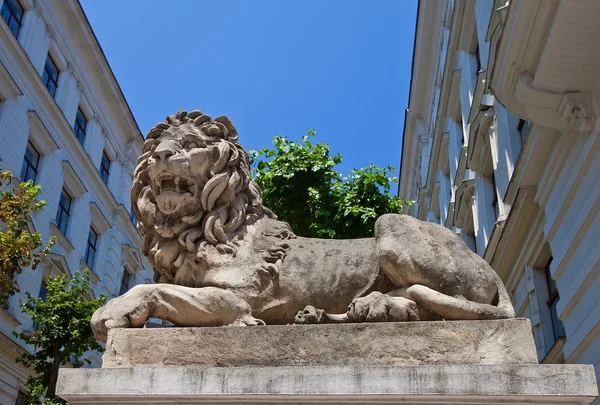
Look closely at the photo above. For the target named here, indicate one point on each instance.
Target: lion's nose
(162, 154)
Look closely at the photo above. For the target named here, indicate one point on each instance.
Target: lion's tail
(452, 308)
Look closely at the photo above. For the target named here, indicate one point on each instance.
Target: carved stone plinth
(384, 344)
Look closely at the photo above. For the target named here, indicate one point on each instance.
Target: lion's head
(192, 191)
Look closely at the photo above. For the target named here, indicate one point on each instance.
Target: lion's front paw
(128, 310)
(309, 315)
(378, 307)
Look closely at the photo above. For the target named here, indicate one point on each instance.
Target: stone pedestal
(381, 344)
(469, 362)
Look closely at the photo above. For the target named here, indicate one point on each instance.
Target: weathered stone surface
(230, 261)
(386, 344)
(442, 384)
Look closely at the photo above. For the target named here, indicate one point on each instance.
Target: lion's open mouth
(174, 192)
(170, 182)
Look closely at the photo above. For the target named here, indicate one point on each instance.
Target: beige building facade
(65, 124)
(501, 144)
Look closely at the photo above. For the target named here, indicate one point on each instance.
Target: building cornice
(427, 37)
(68, 20)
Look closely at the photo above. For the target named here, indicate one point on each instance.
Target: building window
(30, 163)
(12, 13)
(80, 125)
(50, 76)
(523, 128)
(43, 291)
(105, 167)
(90, 250)
(132, 217)
(495, 197)
(64, 208)
(557, 326)
(20, 400)
(124, 282)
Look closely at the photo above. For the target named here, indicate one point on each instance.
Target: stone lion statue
(221, 258)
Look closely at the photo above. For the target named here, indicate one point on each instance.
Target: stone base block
(441, 384)
(378, 344)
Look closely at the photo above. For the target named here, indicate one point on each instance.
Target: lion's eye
(191, 145)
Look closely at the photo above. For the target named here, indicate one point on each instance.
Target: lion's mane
(229, 200)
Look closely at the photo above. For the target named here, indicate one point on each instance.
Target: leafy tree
(18, 247)
(300, 184)
(62, 333)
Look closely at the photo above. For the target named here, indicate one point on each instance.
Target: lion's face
(179, 167)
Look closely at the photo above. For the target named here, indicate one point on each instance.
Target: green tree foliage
(300, 184)
(62, 333)
(19, 248)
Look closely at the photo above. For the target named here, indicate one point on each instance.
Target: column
(14, 133)
(35, 39)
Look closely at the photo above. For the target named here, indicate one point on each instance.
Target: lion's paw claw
(309, 315)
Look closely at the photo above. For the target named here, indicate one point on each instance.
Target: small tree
(300, 184)
(18, 247)
(62, 333)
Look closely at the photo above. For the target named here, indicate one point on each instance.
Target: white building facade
(501, 144)
(65, 124)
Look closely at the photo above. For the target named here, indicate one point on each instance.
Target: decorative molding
(72, 181)
(492, 244)
(41, 138)
(49, 31)
(478, 96)
(61, 238)
(8, 87)
(464, 193)
(462, 165)
(93, 276)
(132, 260)
(450, 217)
(555, 110)
(478, 134)
(99, 221)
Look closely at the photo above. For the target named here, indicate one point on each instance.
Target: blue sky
(274, 67)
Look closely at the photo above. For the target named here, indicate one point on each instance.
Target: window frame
(105, 163)
(91, 247)
(495, 199)
(12, 16)
(78, 128)
(26, 166)
(43, 293)
(125, 280)
(47, 78)
(63, 210)
(133, 217)
(558, 329)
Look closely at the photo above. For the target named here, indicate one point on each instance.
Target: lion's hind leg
(450, 308)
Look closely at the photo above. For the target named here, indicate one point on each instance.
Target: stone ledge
(444, 384)
(383, 344)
